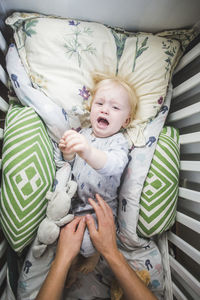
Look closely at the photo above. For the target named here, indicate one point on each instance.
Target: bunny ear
(38, 250)
(71, 188)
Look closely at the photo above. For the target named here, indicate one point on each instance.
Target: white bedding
(141, 253)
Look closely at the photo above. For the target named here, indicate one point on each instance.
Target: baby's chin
(103, 133)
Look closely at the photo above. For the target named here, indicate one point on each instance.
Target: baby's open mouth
(102, 122)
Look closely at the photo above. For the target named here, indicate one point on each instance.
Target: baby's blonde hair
(98, 80)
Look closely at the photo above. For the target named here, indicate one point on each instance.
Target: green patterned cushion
(28, 173)
(160, 191)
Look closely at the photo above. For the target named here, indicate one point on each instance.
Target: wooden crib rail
(3, 105)
(192, 287)
(187, 248)
(189, 194)
(184, 242)
(188, 58)
(3, 48)
(3, 268)
(3, 44)
(3, 76)
(3, 109)
(187, 85)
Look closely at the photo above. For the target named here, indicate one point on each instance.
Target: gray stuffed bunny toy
(59, 203)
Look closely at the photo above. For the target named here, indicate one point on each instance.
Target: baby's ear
(127, 122)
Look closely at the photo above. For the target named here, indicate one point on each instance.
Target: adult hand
(104, 240)
(103, 237)
(69, 244)
(70, 239)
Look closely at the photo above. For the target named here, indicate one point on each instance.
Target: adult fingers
(73, 224)
(81, 226)
(91, 225)
(101, 203)
(105, 207)
(97, 208)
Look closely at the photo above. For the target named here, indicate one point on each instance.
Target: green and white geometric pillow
(160, 192)
(28, 173)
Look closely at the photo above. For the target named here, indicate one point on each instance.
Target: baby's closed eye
(116, 107)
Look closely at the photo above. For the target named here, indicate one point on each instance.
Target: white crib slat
(3, 76)
(4, 296)
(184, 112)
(188, 58)
(187, 122)
(185, 275)
(3, 105)
(190, 176)
(188, 221)
(187, 165)
(190, 138)
(3, 273)
(164, 247)
(186, 85)
(3, 44)
(192, 120)
(190, 148)
(2, 248)
(1, 133)
(177, 293)
(189, 194)
(184, 246)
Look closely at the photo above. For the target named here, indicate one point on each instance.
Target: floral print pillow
(60, 56)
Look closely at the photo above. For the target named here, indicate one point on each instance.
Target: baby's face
(110, 109)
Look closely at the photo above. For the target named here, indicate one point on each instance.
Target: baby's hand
(68, 154)
(73, 142)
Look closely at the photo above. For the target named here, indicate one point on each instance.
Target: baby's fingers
(75, 144)
(61, 145)
(69, 133)
(62, 141)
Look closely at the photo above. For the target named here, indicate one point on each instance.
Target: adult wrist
(62, 263)
(113, 256)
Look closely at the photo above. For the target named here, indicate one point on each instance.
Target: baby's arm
(117, 156)
(73, 142)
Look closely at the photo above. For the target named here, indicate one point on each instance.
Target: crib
(179, 246)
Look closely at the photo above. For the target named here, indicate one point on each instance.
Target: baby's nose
(104, 109)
